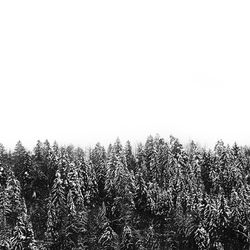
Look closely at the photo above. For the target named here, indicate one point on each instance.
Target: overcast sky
(86, 71)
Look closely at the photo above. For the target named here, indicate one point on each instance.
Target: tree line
(158, 195)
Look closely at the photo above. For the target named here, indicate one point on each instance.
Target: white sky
(87, 71)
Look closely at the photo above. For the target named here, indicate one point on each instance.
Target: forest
(155, 195)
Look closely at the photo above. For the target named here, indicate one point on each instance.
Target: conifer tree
(173, 197)
(57, 214)
(23, 170)
(119, 187)
(129, 157)
(16, 228)
(98, 163)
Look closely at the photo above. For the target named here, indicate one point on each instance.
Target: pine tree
(5, 209)
(23, 170)
(98, 163)
(67, 215)
(129, 157)
(127, 239)
(148, 159)
(57, 214)
(119, 187)
(16, 231)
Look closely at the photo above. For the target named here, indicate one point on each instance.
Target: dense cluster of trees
(159, 195)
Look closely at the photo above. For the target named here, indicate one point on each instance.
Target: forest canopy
(157, 195)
